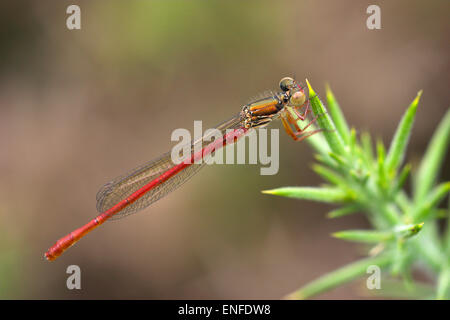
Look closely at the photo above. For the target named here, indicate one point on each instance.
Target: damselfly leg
(300, 133)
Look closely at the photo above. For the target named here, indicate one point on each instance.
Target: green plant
(405, 230)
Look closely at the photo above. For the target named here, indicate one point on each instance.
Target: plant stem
(340, 276)
(433, 159)
(325, 123)
(443, 284)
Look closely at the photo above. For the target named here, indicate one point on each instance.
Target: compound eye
(298, 99)
(286, 84)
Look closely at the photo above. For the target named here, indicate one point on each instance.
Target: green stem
(446, 237)
(433, 159)
(331, 195)
(326, 123)
(401, 137)
(443, 284)
(340, 276)
(337, 115)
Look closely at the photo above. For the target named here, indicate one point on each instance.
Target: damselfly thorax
(261, 112)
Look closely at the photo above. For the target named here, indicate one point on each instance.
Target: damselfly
(150, 182)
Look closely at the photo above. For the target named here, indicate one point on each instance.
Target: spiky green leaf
(433, 159)
(339, 276)
(325, 123)
(331, 195)
(433, 199)
(345, 210)
(399, 143)
(337, 115)
(365, 236)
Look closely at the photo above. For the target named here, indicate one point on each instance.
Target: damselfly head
(287, 83)
(294, 94)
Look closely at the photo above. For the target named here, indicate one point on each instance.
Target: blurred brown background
(78, 108)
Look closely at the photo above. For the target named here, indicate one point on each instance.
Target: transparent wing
(122, 187)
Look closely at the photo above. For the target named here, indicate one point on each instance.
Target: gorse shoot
(405, 227)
